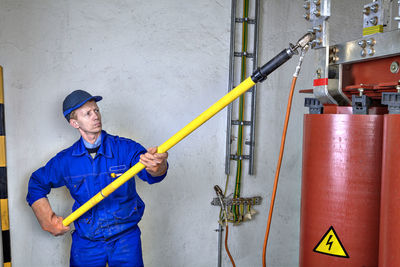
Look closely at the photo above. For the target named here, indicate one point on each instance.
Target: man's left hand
(156, 163)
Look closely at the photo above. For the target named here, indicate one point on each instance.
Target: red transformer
(350, 203)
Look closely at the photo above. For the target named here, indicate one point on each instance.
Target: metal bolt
(317, 2)
(332, 54)
(306, 16)
(306, 5)
(317, 28)
(371, 41)
(363, 53)
(360, 91)
(333, 58)
(374, 21)
(398, 87)
(366, 11)
(375, 8)
(362, 43)
(371, 51)
(318, 72)
(317, 13)
(394, 67)
(316, 42)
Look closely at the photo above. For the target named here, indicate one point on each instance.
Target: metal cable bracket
(243, 54)
(240, 157)
(248, 20)
(237, 122)
(237, 201)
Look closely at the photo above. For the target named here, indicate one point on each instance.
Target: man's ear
(74, 123)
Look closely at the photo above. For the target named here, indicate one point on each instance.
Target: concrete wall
(157, 64)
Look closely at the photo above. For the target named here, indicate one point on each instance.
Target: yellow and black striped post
(5, 222)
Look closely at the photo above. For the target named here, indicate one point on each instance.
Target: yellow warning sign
(330, 245)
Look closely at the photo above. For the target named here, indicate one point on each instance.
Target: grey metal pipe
(219, 244)
(254, 94)
(220, 196)
(230, 86)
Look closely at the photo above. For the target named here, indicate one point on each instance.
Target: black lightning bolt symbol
(329, 243)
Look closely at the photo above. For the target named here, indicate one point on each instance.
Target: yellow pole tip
(113, 175)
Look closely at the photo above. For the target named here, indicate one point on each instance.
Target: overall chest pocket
(124, 190)
(118, 170)
(78, 188)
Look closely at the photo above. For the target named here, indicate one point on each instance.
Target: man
(108, 233)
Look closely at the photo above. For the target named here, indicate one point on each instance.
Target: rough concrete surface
(157, 64)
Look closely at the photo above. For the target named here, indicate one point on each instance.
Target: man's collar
(96, 143)
(105, 147)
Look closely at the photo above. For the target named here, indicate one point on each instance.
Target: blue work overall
(109, 230)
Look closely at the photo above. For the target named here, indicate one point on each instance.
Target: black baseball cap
(77, 99)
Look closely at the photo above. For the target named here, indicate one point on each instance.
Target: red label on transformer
(320, 82)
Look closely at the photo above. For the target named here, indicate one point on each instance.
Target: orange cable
(278, 167)
(226, 246)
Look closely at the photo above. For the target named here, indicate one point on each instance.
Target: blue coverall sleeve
(144, 175)
(43, 179)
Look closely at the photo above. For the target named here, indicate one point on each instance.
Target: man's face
(88, 118)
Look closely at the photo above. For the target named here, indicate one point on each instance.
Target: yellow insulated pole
(176, 138)
(259, 75)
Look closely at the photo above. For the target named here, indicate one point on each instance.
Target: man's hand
(56, 226)
(49, 221)
(156, 163)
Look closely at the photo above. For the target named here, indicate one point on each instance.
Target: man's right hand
(48, 220)
(56, 226)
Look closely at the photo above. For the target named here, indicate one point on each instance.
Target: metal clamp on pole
(260, 74)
